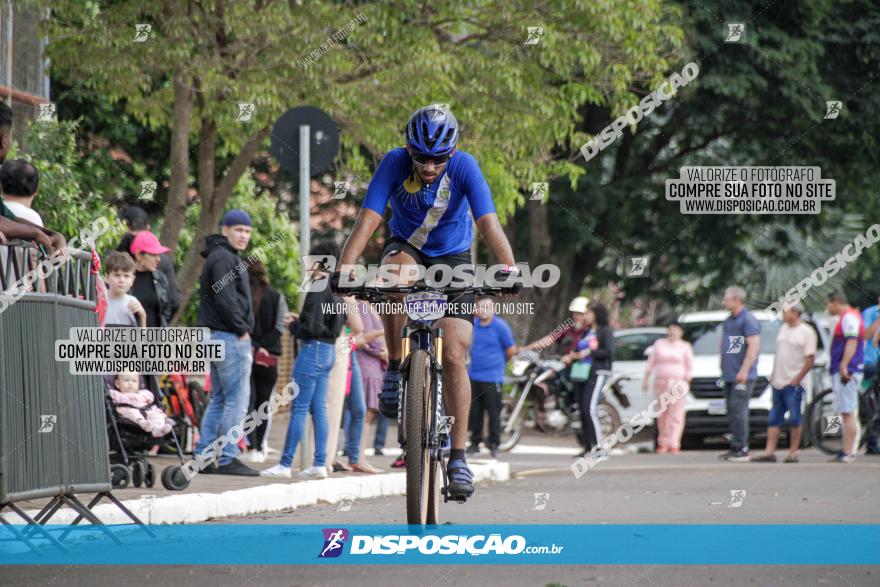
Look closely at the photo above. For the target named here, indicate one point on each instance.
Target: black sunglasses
(420, 159)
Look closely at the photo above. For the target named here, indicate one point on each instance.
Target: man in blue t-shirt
(492, 347)
(435, 193)
(871, 321)
(740, 343)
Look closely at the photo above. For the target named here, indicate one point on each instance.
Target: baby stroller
(129, 445)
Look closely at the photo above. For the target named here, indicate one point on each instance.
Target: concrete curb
(191, 508)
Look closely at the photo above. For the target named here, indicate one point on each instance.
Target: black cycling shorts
(458, 303)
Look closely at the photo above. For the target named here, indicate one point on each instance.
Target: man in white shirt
(795, 355)
(20, 182)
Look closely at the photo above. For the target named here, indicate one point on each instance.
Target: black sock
(456, 454)
(394, 364)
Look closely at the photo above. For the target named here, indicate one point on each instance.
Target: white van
(706, 409)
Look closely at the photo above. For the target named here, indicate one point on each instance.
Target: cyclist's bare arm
(491, 230)
(367, 223)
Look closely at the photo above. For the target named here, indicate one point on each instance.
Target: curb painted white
(190, 508)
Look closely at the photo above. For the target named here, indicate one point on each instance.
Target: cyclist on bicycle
(432, 189)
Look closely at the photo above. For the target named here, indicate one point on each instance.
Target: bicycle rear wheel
(826, 427)
(417, 425)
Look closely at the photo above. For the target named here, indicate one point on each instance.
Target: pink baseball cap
(147, 242)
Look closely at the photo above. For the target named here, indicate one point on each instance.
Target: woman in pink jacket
(672, 362)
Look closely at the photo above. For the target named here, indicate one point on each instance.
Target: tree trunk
(175, 208)
(211, 210)
(550, 304)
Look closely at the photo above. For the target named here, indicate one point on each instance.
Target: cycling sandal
(389, 397)
(461, 480)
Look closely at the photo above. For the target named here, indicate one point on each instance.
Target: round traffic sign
(323, 146)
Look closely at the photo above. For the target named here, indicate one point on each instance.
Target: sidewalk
(218, 496)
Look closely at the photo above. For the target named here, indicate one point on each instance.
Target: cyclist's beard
(429, 178)
(423, 178)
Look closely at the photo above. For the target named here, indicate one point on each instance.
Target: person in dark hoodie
(137, 221)
(592, 353)
(225, 307)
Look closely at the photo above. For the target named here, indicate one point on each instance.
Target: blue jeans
(310, 372)
(230, 394)
(355, 411)
(381, 430)
(870, 372)
(738, 413)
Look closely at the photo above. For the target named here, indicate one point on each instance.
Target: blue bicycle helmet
(432, 130)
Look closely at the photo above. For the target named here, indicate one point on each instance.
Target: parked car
(706, 408)
(631, 349)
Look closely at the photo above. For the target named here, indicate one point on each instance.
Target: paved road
(693, 487)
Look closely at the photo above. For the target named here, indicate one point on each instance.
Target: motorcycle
(540, 395)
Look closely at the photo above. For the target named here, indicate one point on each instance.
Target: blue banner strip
(612, 544)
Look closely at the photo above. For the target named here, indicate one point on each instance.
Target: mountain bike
(422, 426)
(826, 426)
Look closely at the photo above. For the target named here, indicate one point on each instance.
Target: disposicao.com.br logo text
(476, 545)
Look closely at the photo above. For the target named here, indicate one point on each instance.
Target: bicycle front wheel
(418, 455)
(510, 437)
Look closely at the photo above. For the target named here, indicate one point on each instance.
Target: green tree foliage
(274, 242)
(70, 197)
(518, 102)
(525, 110)
(760, 102)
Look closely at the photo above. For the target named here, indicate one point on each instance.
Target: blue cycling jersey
(433, 218)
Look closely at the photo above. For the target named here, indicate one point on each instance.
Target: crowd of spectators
(242, 309)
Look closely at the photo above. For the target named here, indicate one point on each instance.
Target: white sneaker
(276, 471)
(254, 456)
(313, 473)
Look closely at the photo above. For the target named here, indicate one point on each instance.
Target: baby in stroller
(138, 405)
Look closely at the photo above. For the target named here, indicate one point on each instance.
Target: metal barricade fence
(53, 438)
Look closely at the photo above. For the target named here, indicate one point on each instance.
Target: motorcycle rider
(593, 353)
(565, 340)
